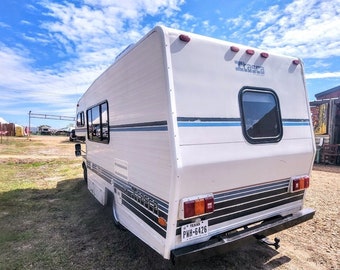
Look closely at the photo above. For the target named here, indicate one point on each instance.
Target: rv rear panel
(196, 137)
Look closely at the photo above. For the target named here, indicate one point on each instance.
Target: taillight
(197, 206)
(299, 183)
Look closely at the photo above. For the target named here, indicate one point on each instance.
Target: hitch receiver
(266, 241)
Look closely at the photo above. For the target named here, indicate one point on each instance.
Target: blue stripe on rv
(147, 126)
(229, 122)
(196, 122)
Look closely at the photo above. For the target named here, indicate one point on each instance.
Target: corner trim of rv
(227, 241)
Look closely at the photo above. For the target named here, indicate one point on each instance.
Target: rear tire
(85, 172)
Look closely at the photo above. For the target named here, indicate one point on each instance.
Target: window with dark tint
(98, 123)
(260, 113)
(80, 119)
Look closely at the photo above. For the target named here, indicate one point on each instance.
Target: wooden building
(326, 115)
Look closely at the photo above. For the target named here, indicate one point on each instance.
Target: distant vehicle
(45, 132)
(201, 144)
(73, 136)
(62, 133)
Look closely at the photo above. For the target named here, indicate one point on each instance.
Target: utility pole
(29, 126)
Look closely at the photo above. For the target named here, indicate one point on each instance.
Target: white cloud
(269, 16)
(188, 17)
(324, 75)
(320, 64)
(304, 28)
(208, 27)
(27, 85)
(90, 35)
(4, 25)
(100, 24)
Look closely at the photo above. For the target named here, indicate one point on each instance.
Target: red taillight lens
(189, 209)
(198, 207)
(300, 183)
(307, 182)
(209, 204)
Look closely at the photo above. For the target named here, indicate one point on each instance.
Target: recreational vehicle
(198, 144)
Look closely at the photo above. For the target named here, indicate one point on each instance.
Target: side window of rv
(260, 115)
(98, 123)
(80, 119)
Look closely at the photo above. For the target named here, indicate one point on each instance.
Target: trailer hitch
(266, 241)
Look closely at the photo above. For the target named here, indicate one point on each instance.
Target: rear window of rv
(260, 115)
(98, 123)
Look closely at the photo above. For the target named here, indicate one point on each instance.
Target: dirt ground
(311, 245)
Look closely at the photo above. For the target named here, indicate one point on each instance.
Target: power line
(47, 116)
(52, 117)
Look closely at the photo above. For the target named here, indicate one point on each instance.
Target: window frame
(243, 111)
(89, 121)
(81, 117)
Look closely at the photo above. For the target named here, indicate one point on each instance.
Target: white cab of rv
(198, 143)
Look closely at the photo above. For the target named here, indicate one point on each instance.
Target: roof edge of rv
(222, 243)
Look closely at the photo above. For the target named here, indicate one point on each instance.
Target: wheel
(85, 172)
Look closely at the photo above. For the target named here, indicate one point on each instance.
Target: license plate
(195, 230)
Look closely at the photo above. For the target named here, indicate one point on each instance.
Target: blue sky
(52, 50)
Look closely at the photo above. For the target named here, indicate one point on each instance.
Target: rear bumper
(230, 240)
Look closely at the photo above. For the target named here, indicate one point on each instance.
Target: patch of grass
(49, 220)
(11, 236)
(37, 174)
(17, 146)
(41, 201)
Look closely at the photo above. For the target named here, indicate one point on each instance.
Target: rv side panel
(136, 164)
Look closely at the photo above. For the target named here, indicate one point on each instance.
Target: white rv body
(173, 129)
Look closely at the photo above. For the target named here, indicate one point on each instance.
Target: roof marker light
(234, 48)
(264, 55)
(250, 51)
(296, 62)
(184, 38)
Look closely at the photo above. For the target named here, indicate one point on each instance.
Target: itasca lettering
(244, 67)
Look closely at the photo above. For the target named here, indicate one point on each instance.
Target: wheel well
(109, 197)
